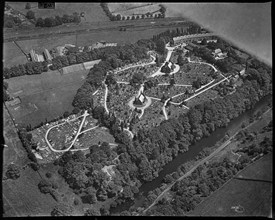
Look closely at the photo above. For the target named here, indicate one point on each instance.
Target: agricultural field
(12, 55)
(23, 198)
(44, 96)
(129, 9)
(253, 196)
(93, 12)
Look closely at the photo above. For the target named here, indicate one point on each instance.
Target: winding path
(77, 134)
(215, 69)
(105, 98)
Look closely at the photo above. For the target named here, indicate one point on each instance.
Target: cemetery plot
(119, 98)
(61, 136)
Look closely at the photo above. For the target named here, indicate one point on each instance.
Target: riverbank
(193, 151)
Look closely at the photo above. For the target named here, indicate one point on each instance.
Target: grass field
(12, 55)
(254, 196)
(93, 11)
(44, 96)
(22, 196)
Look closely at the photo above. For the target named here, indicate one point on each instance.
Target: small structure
(140, 100)
(14, 102)
(33, 56)
(47, 55)
(102, 44)
(218, 54)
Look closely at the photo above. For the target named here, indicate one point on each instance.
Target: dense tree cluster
(6, 96)
(57, 20)
(13, 171)
(11, 21)
(29, 68)
(111, 58)
(28, 143)
(206, 179)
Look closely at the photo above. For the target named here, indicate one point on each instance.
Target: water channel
(217, 135)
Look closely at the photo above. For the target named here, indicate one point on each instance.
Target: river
(217, 135)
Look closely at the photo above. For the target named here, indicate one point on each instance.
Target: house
(102, 44)
(218, 54)
(212, 40)
(60, 50)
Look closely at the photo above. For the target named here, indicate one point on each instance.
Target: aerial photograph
(137, 109)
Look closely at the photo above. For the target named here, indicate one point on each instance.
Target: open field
(22, 196)
(44, 96)
(253, 196)
(93, 11)
(12, 55)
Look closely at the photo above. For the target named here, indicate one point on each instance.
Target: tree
(13, 171)
(28, 6)
(40, 22)
(62, 209)
(30, 15)
(92, 212)
(160, 44)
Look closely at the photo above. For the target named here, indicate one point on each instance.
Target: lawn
(44, 96)
(12, 55)
(254, 196)
(93, 11)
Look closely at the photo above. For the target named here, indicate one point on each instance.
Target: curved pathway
(77, 134)
(215, 69)
(105, 98)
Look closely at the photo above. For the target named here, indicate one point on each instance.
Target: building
(140, 100)
(33, 56)
(193, 37)
(47, 55)
(218, 54)
(40, 58)
(102, 44)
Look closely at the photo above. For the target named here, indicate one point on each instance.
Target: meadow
(45, 96)
(12, 55)
(22, 196)
(253, 196)
(93, 11)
